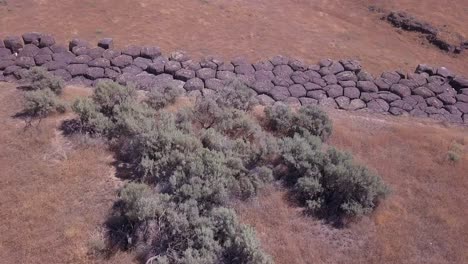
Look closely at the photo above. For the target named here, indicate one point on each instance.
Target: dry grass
(423, 221)
(54, 194)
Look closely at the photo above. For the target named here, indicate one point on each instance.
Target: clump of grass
(455, 152)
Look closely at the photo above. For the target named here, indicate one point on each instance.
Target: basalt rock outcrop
(447, 41)
(433, 92)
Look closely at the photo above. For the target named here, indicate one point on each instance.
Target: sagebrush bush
(41, 103)
(330, 183)
(308, 119)
(41, 79)
(190, 163)
(159, 99)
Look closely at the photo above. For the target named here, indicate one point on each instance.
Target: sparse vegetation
(455, 152)
(187, 165)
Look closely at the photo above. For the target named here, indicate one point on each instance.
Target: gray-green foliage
(159, 99)
(189, 163)
(330, 183)
(41, 103)
(308, 119)
(43, 99)
(188, 171)
(41, 79)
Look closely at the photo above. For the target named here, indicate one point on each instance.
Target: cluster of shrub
(187, 164)
(42, 94)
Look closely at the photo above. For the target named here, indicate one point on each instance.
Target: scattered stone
(245, 69)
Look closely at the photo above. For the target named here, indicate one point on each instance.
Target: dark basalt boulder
(184, 75)
(42, 59)
(279, 93)
(122, 61)
(194, 84)
(263, 66)
(214, 84)
(132, 51)
(400, 90)
(297, 90)
(29, 50)
(32, 38)
(78, 43)
(150, 52)
(106, 43)
(46, 41)
(77, 69)
(13, 43)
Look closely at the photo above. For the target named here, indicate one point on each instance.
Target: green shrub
(41, 103)
(41, 79)
(236, 95)
(330, 183)
(190, 163)
(308, 119)
(160, 99)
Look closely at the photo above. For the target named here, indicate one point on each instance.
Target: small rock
(106, 43)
